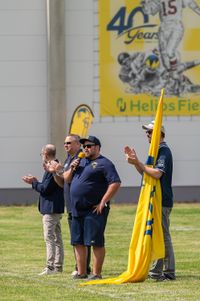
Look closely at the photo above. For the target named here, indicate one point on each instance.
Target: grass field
(22, 257)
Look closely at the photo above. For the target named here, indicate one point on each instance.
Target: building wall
(23, 105)
(23, 89)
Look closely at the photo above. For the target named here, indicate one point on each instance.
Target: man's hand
(130, 155)
(99, 208)
(75, 163)
(53, 167)
(29, 179)
(132, 158)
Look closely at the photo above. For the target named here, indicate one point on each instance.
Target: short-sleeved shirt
(67, 163)
(165, 164)
(90, 182)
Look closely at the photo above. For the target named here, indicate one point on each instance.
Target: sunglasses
(67, 143)
(88, 145)
(149, 132)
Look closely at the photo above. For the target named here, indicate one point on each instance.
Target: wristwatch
(60, 172)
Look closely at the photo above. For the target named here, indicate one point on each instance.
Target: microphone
(81, 155)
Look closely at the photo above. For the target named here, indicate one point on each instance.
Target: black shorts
(89, 230)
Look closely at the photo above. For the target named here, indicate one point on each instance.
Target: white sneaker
(47, 271)
(74, 273)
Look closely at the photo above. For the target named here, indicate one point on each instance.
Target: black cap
(92, 139)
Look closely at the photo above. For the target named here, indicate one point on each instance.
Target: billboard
(145, 46)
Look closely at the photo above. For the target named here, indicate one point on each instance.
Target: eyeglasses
(88, 145)
(149, 132)
(67, 143)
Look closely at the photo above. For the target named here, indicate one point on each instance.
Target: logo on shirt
(161, 163)
(94, 165)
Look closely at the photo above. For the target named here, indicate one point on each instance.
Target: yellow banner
(146, 46)
(81, 121)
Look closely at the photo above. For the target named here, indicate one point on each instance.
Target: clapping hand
(53, 166)
(29, 179)
(130, 155)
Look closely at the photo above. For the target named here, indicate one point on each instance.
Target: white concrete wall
(79, 54)
(23, 89)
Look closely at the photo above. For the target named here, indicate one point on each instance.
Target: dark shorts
(89, 230)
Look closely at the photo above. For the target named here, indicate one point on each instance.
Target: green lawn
(22, 257)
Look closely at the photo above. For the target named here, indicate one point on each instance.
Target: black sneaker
(94, 277)
(77, 277)
(162, 278)
(154, 276)
(170, 276)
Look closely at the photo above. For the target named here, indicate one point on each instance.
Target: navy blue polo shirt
(90, 182)
(165, 164)
(67, 163)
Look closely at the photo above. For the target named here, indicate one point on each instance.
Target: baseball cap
(151, 125)
(92, 139)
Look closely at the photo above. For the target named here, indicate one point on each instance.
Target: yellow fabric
(81, 121)
(147, 242)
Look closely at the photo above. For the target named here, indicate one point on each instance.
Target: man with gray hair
(51, 206)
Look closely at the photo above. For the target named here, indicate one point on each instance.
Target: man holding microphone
(94, 181)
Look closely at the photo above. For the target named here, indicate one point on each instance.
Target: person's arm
(112, 189)
(46, 187)
(68, 174)
(132, 158)
(153, 172)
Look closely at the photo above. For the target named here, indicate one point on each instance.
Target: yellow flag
(81, 121)
(147, 243)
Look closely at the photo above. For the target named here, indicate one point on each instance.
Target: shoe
(94, 277)
(74, 273)
(77, 277)
(162, 278)
(154, 276)
(58, 270)
(170, 276)
(47, 271)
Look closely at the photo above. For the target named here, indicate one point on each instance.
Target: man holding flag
(162, 269)
(147, 241)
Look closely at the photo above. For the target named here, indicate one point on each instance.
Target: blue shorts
(89, 230)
